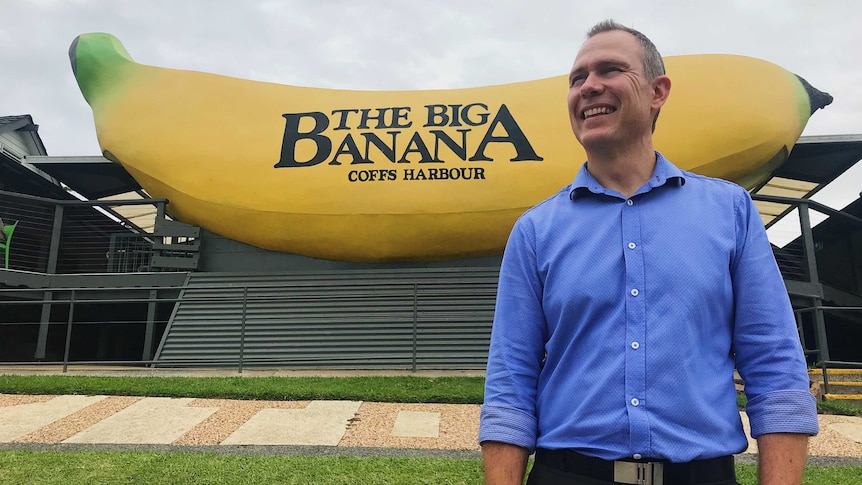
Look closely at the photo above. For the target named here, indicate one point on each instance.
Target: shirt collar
(664, 172)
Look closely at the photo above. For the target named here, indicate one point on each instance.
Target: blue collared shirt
(619, 322)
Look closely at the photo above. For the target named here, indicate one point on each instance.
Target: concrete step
(845, 387)
(854, 399)
(844, 384)
(836, 375)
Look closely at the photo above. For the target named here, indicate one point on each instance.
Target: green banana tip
(95, 58)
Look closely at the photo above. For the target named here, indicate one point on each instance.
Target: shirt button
(635, 292)
(629, 202)
(635, 401)
(637, 456)
(632, 245)
(635, 345)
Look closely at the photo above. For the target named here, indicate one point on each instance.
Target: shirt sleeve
(769, 355)
(517, 346)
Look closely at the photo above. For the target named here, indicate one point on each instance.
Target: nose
(591, 86)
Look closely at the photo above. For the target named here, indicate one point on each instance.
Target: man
(625, 302)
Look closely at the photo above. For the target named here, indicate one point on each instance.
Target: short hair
(652, 61)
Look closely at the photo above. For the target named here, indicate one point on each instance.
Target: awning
(93, 177)
(814, 162)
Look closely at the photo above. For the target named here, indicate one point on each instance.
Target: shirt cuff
(788, 411)
(507, 425)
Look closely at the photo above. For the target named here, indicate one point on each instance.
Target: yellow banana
(402, 175)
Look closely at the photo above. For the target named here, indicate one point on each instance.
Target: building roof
(814, 162)
(93, 177)
(9, 123)
(14, 172)
(24, 125)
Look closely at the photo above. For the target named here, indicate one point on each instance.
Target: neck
(622, 168)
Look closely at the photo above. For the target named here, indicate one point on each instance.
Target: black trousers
(543, 474)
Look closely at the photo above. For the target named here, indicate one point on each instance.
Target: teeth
(596, 111)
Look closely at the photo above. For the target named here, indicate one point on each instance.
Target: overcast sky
(389, 44)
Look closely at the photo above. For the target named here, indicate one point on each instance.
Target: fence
(73, 237)
(797, 260)
(806, 317)
(418, 328)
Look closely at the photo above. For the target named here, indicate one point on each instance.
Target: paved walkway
(321, 427)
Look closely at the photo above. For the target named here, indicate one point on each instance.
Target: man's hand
(504, 464)
(782, 458)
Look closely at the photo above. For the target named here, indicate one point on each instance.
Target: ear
(661, 91)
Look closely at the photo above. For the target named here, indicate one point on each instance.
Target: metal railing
(798, 263)
(822, 360)
(74, 237)
(797, 260)
(404, 336)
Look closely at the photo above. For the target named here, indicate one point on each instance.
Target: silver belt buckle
(646, 473)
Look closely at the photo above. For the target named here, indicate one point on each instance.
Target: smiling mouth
(597, 111)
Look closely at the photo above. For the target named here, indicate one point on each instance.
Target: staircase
(840, 385)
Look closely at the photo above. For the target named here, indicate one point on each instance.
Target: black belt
(639, 471)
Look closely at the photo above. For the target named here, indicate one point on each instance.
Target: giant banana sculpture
(402, 175)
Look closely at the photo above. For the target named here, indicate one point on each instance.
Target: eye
(576, 80)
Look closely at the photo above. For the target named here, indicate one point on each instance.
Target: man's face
(610, 99)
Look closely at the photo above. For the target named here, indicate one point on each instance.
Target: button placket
(635, 333)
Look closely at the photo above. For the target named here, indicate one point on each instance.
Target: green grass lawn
(449, 390)
(70, 468)
(106, 467)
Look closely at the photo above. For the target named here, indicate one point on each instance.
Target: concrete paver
(417, 424)
(154, 420)
(852, 429)
(321, 423)
(746, 425)
(17, 421)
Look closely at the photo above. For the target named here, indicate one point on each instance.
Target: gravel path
(830, 442)
(459, 427)
(231, 415)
